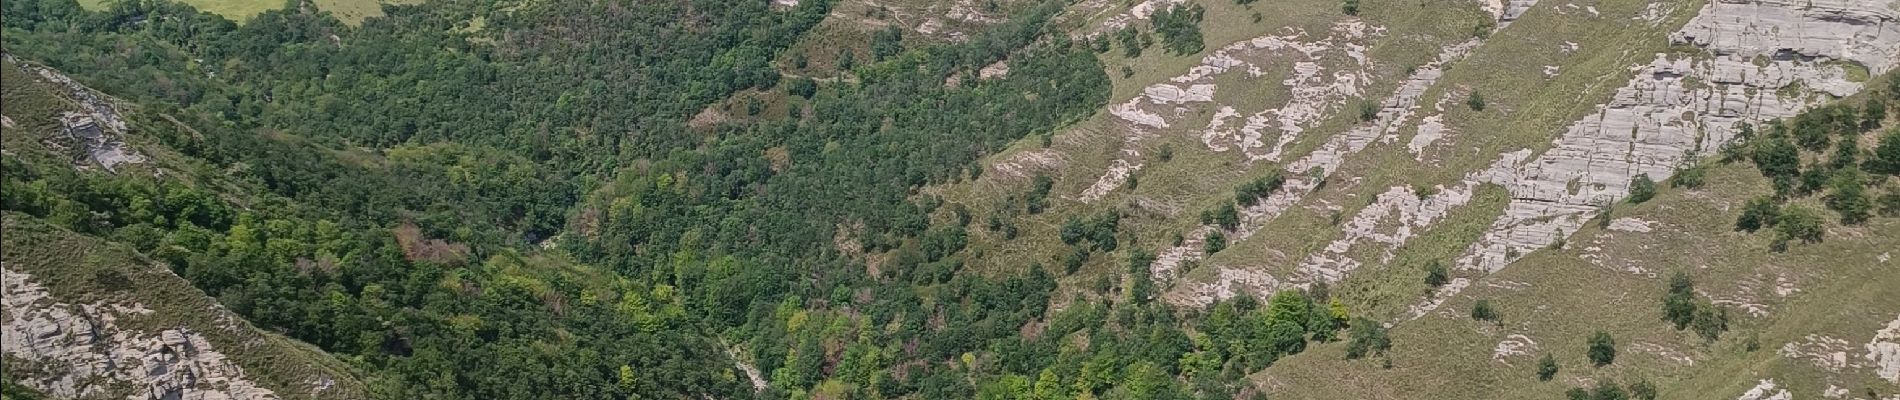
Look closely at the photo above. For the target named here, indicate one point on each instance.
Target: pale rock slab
(1823, 351)
(1315, 93)
(1513, 346)
(167, 364)
(1884, 351)
(1659, 120)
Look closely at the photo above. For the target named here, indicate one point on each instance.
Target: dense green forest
(521, 211)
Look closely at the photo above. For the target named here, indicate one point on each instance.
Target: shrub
(1216, 242)
(1577, 394)
(1607, 390)
(1227, 217)
(1797, 222)
(1689, 177)
(1776, 157)
(1367, 338)
(1848, 197)
(1642, 390)
(1761, 212)
(1436, 275)
(802, 87)
(1179, 27)
(1476, 101)
(1482, 311)
(1602, 349)
(1546, 368)
(1251, 192)
(1886, 157)
(1710, 321)
(1350, 7)
(1642, 189)
(1679, 304)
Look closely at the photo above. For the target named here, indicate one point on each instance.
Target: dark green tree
(1602, 349)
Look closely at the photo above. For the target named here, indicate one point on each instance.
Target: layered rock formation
(1676, 109)
(89, 352)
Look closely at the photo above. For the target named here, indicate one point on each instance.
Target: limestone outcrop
(1677, 109)
(90, 351)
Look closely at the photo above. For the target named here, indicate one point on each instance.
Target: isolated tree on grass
(1760, 212)
(1436, 275)
(1546, 368)
(1482, 311)
(1602, 349)
(1679, 303)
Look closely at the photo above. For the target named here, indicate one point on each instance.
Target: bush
(1482, 311)
(1679, 304)
(802, 87)
(1886, 157)
(1350, 7)
(1577, 394)
(1179, 27)
(1216, 241)
(1250, 193)
(1797, 222)
(1642, 390)
(1546, 368)
(1607, 390)
(1642, 189)
(1476, 101)
(1848, 197)
(1367, 338)
(1436, 275)
(1761, 212)
(1227, 217)
(1602, 349)
(1072, 262)
(1776, 157)
(1689, 177)
(1710, 321)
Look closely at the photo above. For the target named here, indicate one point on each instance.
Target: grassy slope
(1843, 292)
(1526, 110)
(1196, 178)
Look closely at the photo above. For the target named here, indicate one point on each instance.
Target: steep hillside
(88, 318)
(1458, 167)
(1022, 199)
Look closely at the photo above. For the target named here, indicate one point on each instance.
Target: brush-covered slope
(90, 318)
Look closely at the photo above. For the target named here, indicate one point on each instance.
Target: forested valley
(523, 212)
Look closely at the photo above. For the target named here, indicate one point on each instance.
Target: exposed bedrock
(84, 351)
(1677, 109)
